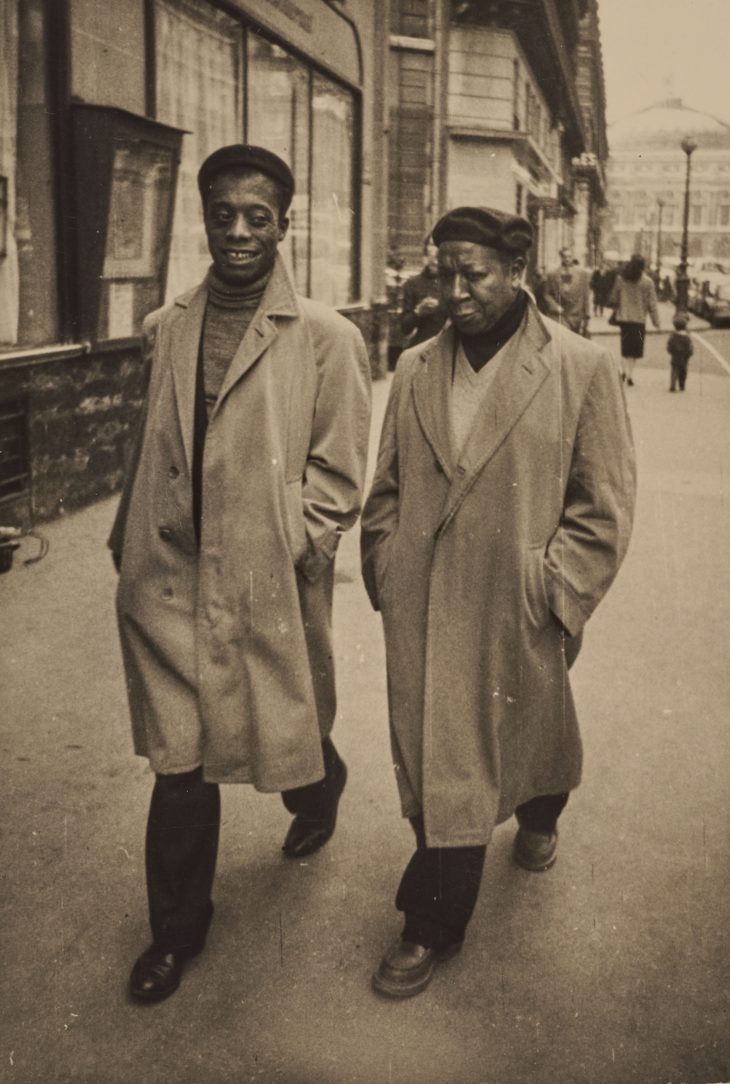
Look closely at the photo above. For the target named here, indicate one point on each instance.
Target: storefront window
(199, 87)
(333, 218)
(278, 118)
(28, 294)
(301, 115)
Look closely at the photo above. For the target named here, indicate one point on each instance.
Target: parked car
(716, 305)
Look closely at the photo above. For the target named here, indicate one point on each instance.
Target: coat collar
(522, 371)
(279, 300)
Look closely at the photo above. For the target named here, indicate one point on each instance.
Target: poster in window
(140, 175)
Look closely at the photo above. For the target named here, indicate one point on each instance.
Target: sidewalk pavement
(609, 969)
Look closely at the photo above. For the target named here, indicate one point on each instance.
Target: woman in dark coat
(632, 298)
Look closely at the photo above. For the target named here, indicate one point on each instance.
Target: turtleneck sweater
(481, 348)
(228, 314)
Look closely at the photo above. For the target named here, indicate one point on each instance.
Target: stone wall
(81, 409)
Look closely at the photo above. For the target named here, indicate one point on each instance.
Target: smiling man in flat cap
(248, 468)
(499, 514)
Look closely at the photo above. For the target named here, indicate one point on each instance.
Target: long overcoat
(472, 558)
(227, 647)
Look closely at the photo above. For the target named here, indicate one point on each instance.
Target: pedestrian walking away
(633, 297)
(567, 293)
(248, 467)
(681, 349)
(499, 514)
(597, 281)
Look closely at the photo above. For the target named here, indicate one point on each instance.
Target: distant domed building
(646, 181)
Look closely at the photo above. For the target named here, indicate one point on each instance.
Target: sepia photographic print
(364, 521)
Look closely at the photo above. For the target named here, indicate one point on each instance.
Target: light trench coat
(472, 558)
(227, 650)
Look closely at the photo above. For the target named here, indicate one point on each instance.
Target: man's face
(478, 284)
(243, 225)
(566, 258)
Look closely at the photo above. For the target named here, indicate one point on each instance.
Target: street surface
(609, 969)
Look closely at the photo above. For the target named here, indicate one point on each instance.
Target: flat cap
(246, 156)
(485, 226)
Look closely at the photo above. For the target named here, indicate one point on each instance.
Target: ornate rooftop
(664, 125)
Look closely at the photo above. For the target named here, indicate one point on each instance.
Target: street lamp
(660, 204)
(688, 146)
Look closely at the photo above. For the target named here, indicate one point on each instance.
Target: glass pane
(199, 88)
(278, 118)
(138, 216)
(35, 226)
(333, 219)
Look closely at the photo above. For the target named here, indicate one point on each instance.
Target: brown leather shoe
(535, 851)
(156, 974)
(407, 968)
(306, 835)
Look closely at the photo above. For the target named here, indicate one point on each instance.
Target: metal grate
(14, 464)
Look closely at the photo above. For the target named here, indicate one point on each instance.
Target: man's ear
(283, 227)
(518, 267)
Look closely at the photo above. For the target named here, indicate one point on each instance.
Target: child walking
(679, 345)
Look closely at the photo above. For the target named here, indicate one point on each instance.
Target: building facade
(106, 112)
(647, 175)
(498, 103)
(388, 112)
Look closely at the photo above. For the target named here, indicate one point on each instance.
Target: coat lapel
(183, 352)
(522, 372)
(279, 300)
(431, 396)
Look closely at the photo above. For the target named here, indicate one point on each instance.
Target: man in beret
(248, 468)
(568, 293)
(499, 514)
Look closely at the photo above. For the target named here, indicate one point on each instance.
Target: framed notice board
(125, 178)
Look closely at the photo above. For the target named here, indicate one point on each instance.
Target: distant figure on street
(567, 293)
(666, 290)
(633, 298)
(499, 514)
(597, 284)
(249, 467)
(681, 349)
(423, 314)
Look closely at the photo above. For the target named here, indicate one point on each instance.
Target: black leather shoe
(307, 834)
(535, 851)
(407, 968)
(156, 973)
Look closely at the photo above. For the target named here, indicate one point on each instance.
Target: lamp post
(688, 146)
(660, 204)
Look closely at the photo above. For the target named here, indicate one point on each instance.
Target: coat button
(167, 592)
(173, 472)
(165, 534)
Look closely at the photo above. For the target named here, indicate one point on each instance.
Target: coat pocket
(295, 526)
(535, 594)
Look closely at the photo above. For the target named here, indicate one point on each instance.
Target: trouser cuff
(430, 934)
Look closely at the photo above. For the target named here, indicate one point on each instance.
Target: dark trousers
(439, 888)
(182, 847)
(679, 373)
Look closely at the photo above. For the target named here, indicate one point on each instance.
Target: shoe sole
(395, 990)
(537, 869)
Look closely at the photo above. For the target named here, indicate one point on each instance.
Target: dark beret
(485, 226)
(246, 156)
